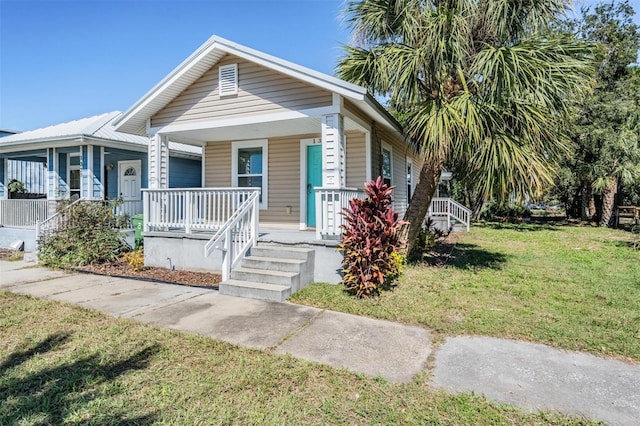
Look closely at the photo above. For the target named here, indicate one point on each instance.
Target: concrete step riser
(272, 265)
(280, 253)
(254, 293)
(257, 277)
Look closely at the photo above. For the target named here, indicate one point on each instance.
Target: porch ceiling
(270, 129)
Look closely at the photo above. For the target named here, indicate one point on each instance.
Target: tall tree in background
(475, 83)
(605, 136)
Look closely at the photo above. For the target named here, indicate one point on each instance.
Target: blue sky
(64, 60)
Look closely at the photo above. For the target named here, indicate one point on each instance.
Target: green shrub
(372, 242)
(86, 236)
(503, 212)
(635, 231)
(426, 240)
(16, 186)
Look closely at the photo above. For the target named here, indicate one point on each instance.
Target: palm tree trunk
(588, 211)
(608, 201)
(422, 195)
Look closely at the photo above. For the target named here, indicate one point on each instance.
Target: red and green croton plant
(373, 241)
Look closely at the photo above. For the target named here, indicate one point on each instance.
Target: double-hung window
(249, 165)
(387, 164)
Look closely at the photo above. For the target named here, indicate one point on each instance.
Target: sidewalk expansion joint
(296, 331)
(164, 305)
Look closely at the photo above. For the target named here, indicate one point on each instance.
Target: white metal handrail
(22, 213)
(329, 205)
(192, 209)
(452, 210)
(236, 235)
(52, 223)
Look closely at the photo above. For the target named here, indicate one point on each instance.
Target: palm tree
(478, 83)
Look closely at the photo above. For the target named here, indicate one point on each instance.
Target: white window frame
(256, 143)
(223, 69)
(409, 162)
(386, 147)
(74, 167)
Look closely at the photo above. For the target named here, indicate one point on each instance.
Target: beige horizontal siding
(356, 159)
(284, 181)
(353, 109)
(217, 172)
(283, 175)
(260, 90)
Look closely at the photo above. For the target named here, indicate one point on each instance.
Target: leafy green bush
(427, 239)
(86, 236)
(16, 186)
(372, 242)
(503, 212)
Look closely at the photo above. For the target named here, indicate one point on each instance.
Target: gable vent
(228, 77)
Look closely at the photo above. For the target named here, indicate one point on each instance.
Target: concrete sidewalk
(340, 340)
(530, 376)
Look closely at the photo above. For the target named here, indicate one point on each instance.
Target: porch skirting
(186, 251)
(9, 235)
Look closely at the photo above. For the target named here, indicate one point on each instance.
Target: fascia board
(171, 78)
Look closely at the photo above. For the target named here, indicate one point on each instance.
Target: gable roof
(207, 55)
(98, 127)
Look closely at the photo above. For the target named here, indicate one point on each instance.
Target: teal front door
(314, 180)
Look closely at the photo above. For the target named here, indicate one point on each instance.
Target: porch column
(333, 175)
(88, 171)
(52, 174)
(4, 193)
(158, 162)
(333, 152)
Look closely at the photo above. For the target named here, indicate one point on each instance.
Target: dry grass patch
(62, 364)
(572, 287)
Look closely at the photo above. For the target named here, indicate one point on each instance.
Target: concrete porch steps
(271, 273)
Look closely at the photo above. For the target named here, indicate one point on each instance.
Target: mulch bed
(123, 270)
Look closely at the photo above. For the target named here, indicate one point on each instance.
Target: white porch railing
(237, 235)
(52, 223)
(452, 210)
(329, 205)
(129, 208)
(22, 213)
(188, 210)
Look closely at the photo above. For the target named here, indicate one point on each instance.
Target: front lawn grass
(568, 286)
(61, 364)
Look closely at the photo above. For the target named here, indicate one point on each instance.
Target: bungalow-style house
(83, 159)
(284, 148)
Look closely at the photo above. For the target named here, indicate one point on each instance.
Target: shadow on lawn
(523, 227)
(469, 256)
(49, 395)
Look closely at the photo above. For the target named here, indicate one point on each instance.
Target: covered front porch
(214, 228)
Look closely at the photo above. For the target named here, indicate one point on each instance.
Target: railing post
(187, 212)
(37, 233)
(226, 255)
(256, 220)
(319, 214)
(145, 211)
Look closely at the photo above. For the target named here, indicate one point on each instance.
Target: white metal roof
(134, 120)
(99, 127)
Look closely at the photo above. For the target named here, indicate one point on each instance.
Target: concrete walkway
(530, 376)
